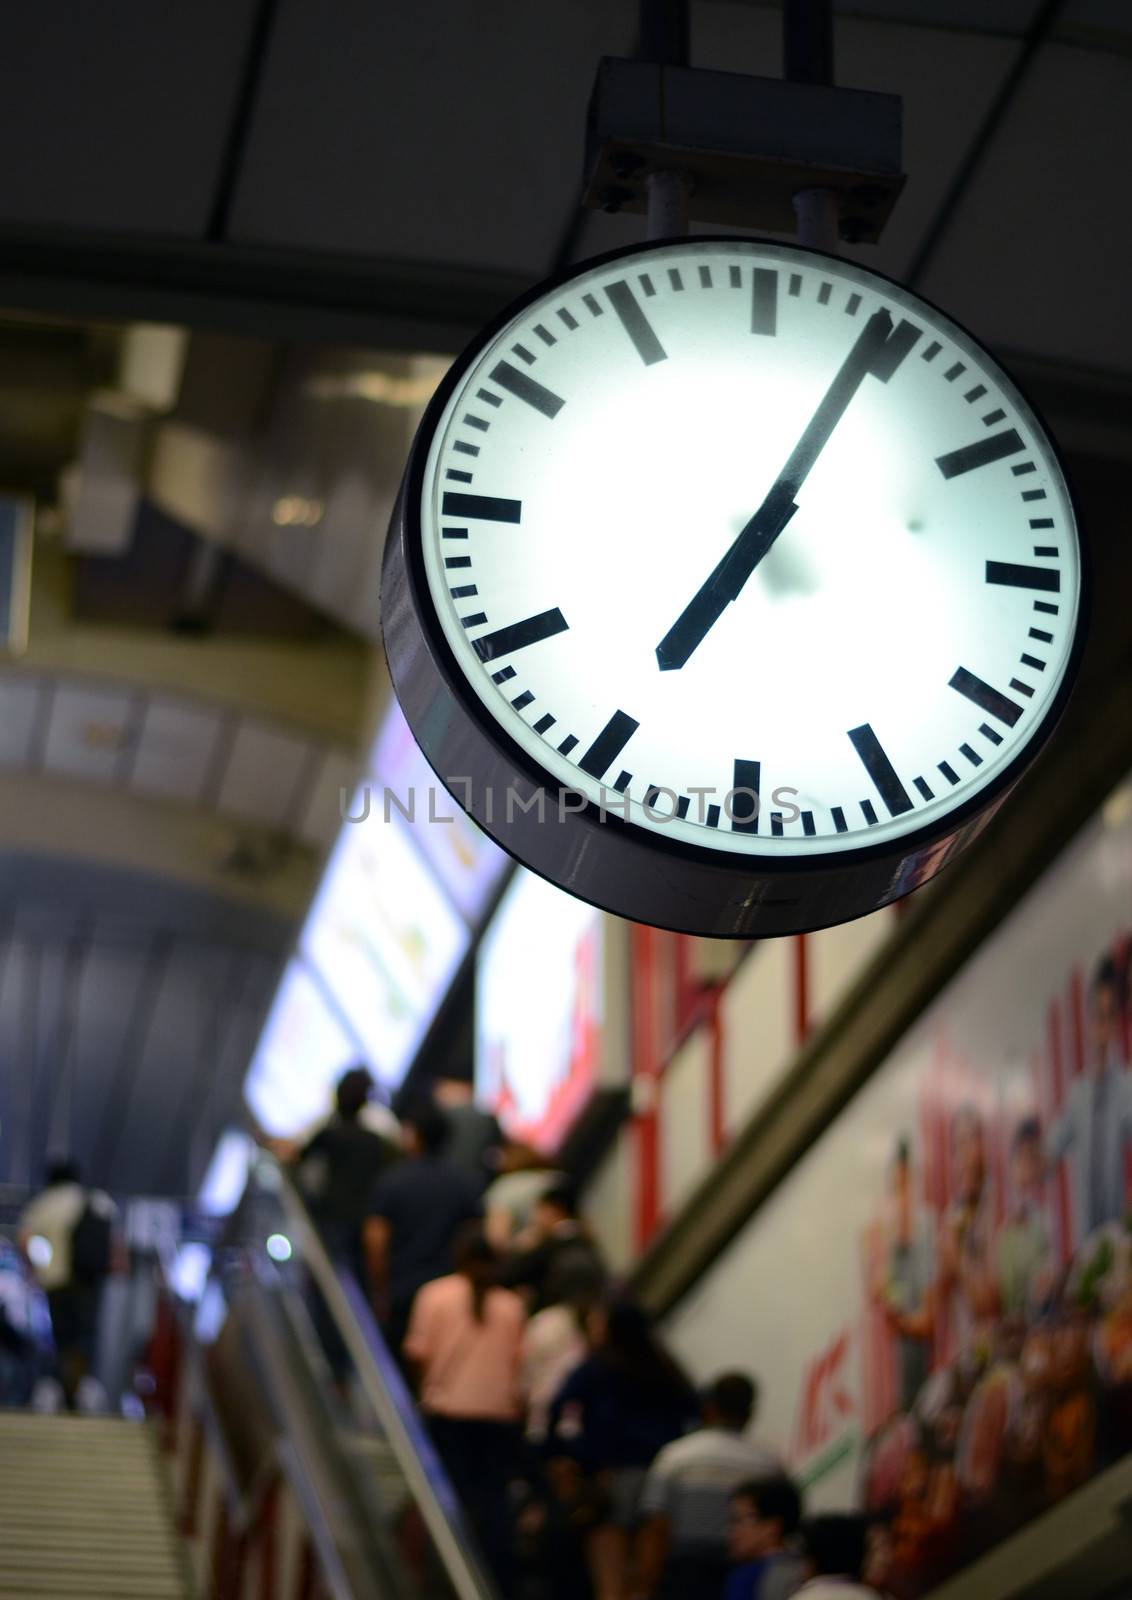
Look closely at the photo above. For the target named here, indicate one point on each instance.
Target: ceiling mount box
(749, 145)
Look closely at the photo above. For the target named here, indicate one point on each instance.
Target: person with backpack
(68, 1234)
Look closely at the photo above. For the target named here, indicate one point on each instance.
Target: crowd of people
(588, 1464)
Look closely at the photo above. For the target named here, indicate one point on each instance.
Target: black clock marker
(1040, 633)
(624, 779)
(524, 354)
(567, 744)
(809, 827)
(976, 393)
(985, 696)
(481, 507)
(745, 807)
(868, 812)
(713, 815)
(466, 449)
(464, 592)
(1033, 494)
(592, 306)
(1015, 576)
(545, 334)
(457, 561)
(475, 620)
(705, 277)
(504, 675)
(839, 821)
(795, 284)
(1041, 522)
(609, 744)
(996, 447)
(776, 824)
(990, 733)
(824, 293)
(1022, 688)
(852, 305)
(992, 417)
(674, 278)
(525, 388)
(635, 323)
(1032, 661)
(454, 533)
(1045, 550)
(932, 351)
(973, 757)
(544, 723)
(893, 350)
(953, 372)
(1027, 466)
(949, 772)
(880, 770)
(518, 635)
(736, 277)
(764, 300)
(458, 477)
(682, 805)
(521, 701)
(570, 321)
(1047, 606)
(647, 285)
(923, 788)
(480, 423)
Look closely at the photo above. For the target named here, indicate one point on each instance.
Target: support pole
(665, 32)
(807, 57)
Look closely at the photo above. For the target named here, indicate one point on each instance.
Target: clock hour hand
(878, 350)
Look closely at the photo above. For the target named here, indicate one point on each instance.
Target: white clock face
(753, 547)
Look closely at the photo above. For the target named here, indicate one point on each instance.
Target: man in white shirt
(687, 1493)
(48, 1230)
(834, 1549)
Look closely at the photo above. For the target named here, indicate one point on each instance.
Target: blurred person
(556, 1261)
(525, 1175)
(762, 1519)
(1023, 1253)
(904, 1291)
(685, 1500)
(834, 1551)
(553, 1345)
(1096, 1122)
(22, 1311)
(69, 1235)
(338, 1167)
(474, 1135)
(464, 1341)
(965, 1281)
(415, 1210)
(612, 1416)
(375, 1116)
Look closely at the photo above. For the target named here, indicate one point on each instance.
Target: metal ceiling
(333, 173)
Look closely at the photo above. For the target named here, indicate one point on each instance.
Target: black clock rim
(405, 528)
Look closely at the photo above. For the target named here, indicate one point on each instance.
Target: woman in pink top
(465, 1342)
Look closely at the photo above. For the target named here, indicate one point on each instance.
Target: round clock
(731, 586)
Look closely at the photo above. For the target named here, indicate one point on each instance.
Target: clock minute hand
(871, 352)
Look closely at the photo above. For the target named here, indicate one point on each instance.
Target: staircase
(84, 1513)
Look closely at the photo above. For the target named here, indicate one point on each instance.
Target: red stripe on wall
(801, 989)
(1077, 1016)
(717, 1108)
(646, 1071)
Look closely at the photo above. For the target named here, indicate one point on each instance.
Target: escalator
(285, 1384)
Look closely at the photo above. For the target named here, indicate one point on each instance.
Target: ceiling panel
(266, 774)
(130, 104)
(322, 816)
(88, 731)
(450, 135)
(20, 703)
(175, 748)
(1033, 260)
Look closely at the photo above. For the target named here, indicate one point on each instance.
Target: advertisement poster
(539, 1010)
(938, 1300)
(465, 860)
(384, 940)
(302, 1052)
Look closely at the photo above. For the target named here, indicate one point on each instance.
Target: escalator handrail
(377, 1373)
